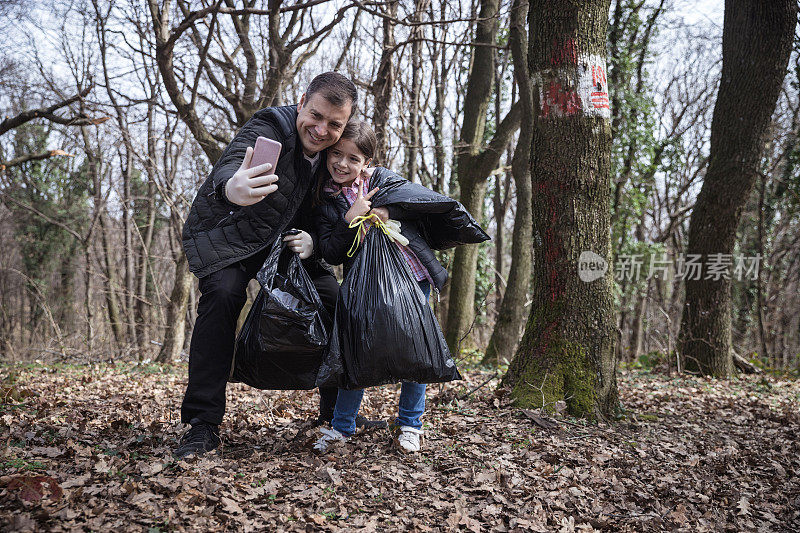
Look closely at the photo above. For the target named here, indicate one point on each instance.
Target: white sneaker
(408, 439)
(328, 436)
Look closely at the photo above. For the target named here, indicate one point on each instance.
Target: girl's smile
(345, 162)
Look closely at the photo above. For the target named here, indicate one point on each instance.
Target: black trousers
(223, 294)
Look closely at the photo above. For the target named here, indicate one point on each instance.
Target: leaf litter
(88, 447)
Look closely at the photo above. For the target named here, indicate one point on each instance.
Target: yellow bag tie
(358, 222)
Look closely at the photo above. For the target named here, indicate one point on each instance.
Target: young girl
(342, 195)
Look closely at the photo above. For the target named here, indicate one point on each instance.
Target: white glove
(246, 187)
(393, 230)
(300, 243)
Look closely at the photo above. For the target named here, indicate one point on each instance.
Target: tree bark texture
(756, 43)
(384, 85)
(511, 318)
(413, 126)
(475, 163)
(568, 349)
(176, 313)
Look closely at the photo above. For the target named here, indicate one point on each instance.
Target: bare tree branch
(193, 16)
(48, 113)
(489, 157)
(399, 22)
(32, 157)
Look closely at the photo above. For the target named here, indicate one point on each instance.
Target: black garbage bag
(281, 343)
(444, 222)
(383, 329)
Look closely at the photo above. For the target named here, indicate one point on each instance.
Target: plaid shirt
(351, 193)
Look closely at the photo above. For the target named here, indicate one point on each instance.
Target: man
(235, 218)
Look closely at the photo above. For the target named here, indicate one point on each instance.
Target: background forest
(629, 339)
(113, 114)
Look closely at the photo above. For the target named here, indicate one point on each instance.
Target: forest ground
(87, 447)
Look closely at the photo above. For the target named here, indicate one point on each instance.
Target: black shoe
(201, 438)
(362, 422)
(322, 420)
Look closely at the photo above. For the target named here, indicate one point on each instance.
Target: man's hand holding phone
(250, 185)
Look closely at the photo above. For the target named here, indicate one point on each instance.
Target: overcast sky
(695, 11)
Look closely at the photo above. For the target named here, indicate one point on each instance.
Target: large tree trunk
(461, 296)
(475, 163)
(505, 337)
(756, 41)
(568, 349)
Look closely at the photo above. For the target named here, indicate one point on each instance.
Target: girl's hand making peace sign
(362, 204)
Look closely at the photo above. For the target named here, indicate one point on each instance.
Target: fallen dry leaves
(88, 448)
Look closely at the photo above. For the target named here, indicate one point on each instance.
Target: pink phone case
(266, 151)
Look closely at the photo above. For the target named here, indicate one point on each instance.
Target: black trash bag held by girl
(443, 221)
(281, 343)
(383, 330)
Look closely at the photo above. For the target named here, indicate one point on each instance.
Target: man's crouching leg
(223, 294)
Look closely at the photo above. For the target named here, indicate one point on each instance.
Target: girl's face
(345, 162)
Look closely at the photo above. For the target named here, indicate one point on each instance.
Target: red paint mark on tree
(599, 77)
(559, 100)
(564, 53)
(551, 191)
(600, 100)
(599, 97)
(552, 252)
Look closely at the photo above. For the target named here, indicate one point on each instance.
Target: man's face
(320, 123)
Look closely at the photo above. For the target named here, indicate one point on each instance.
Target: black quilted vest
(217, 233)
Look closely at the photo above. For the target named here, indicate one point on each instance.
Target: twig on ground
(470, 393)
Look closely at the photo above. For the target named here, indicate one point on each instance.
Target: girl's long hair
(362, 135)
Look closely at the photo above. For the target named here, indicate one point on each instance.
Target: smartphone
(266, 151)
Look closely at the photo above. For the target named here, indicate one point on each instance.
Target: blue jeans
(412, 399)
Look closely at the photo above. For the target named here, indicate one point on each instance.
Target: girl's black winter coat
(429, 220)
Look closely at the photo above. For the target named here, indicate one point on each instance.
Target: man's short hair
(335, 88)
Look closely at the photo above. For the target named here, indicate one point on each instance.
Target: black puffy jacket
(218, 233)
(429, 220)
